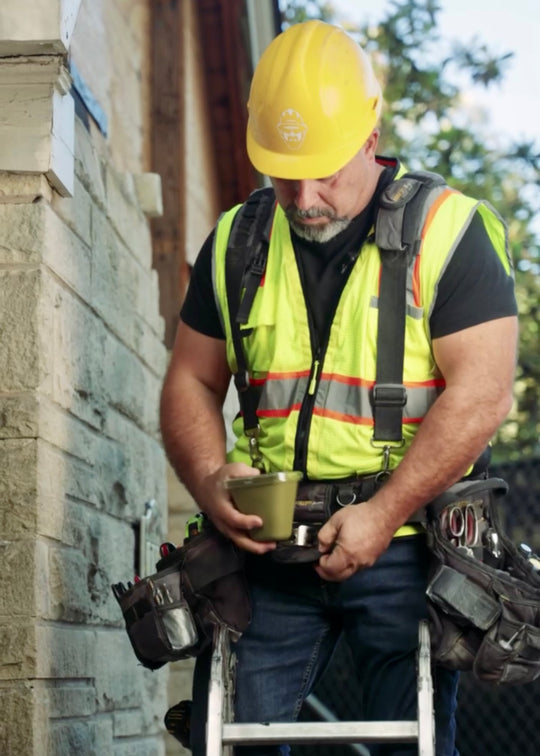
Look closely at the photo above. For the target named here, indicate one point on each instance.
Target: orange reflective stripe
(434, 208)
(425, 228)
(341, 417)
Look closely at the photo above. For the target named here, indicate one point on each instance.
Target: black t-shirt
(473, 289)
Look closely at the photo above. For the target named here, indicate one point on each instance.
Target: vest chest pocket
(258, 341)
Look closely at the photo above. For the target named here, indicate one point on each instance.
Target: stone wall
(81, 366)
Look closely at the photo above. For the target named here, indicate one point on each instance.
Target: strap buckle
(241, 380)
(388, 395)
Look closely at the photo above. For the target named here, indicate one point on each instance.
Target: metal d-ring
(350, 494)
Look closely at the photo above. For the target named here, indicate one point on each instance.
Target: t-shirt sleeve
(475, 287)
(199, 310)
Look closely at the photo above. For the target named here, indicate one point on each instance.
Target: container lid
(265, 479)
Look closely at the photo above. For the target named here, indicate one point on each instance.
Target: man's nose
(305, 194)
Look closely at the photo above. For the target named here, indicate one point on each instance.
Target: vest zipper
(318, 351)
(306, 411)
(314, 377)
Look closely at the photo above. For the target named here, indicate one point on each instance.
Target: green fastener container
(271, 496)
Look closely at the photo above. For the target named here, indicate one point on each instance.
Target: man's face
(319, 209)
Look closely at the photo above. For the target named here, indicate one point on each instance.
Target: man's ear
(371, 143)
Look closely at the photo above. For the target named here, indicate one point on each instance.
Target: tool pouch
(171, 615)
(485, 617)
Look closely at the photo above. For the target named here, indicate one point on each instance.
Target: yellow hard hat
(314, 100)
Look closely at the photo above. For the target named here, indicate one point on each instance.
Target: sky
(513, 106)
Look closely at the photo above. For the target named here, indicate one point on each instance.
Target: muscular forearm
(192, 430)
(453, 434)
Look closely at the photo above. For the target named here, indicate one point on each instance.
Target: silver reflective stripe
(283, 394)
(353, 400)
(346, 398)
(412, 310)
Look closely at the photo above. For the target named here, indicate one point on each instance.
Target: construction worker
(311, 351)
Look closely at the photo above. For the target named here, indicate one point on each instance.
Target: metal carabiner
(254, 451)
(385, 472)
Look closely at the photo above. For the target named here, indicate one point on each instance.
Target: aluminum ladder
(222, 733)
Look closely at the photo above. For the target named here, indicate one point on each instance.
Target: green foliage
(428, 126)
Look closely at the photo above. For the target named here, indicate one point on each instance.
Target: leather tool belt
(316, 502)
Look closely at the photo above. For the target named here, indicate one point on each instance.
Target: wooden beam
(168, 156)
(228, 73)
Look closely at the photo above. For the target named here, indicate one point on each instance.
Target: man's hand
(352, 539)
(219, 506)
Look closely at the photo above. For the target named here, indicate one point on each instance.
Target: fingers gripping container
(272, 496)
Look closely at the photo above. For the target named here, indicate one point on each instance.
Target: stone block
(66, 254)
(127, 723)
(130, 386)
(78, 579)
(23, 188)
(67, 432)
(17, 704)
(18, 649)
(125, 294)
(88, 737)
(144, 474)
(76, 211)
(126, 216)
(61, 478)
(65, 652)
(17, 598)
(71, 338)
(19, 355)
(65, 698)
(88, 164)
(143, 747)
(22, 228)
(68, 595)
(149, 194)
(18, 488)
(148, 343)
(18, 416)
(120, 680)
(67, 737)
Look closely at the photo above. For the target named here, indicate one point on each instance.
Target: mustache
(294, 213)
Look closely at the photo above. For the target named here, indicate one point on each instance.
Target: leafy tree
(425, 122)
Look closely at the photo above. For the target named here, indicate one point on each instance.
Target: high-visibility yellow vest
(337, 433)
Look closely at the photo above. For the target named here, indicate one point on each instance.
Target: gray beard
(313, 233)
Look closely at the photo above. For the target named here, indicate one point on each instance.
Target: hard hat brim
(294, 166)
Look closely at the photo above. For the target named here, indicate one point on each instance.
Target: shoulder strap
(403, 208)
(247, 252)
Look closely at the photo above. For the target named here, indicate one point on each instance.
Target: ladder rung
(320, 732)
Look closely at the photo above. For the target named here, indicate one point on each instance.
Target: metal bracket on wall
(149, 539)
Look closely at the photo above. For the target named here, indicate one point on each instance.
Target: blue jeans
(297, 621)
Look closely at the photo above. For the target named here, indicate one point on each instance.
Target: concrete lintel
(46, 29)
(37, 120)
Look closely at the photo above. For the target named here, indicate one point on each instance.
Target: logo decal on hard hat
(291, 128)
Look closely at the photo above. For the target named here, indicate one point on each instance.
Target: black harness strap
(246, 257)
(403, 208)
